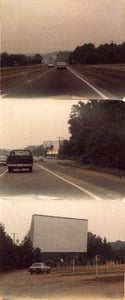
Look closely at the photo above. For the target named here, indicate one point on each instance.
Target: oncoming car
(39, 267)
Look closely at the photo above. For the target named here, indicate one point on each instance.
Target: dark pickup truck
(19, 159)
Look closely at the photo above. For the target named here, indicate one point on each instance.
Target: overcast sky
(31, 122)
(39, 26)
(105, 218)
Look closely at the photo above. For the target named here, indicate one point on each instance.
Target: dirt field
(61, 285)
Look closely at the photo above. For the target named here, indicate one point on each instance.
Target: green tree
(103, 54)
(98, 246)
(97, 131)
(37, 59)
(26, 252)
(6, 250)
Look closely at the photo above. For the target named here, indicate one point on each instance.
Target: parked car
(61, 65)
(3, 159)
(39, 267)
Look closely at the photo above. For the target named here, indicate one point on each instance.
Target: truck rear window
(20, 153)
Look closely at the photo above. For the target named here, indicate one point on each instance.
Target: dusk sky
(39, 26)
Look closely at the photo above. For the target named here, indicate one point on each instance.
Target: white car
(39, 267)
(61, 65)
(50, 65)
(3, 159)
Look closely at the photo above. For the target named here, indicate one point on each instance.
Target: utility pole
(60, 143)
(14, 237)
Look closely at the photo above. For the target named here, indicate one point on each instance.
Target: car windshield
(36, 265)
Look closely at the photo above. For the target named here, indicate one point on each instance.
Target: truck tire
(30, 169)
(10, 169)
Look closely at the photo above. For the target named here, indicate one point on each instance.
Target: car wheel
(30, 169)
(10, 169)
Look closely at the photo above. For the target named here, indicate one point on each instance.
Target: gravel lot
(22, 285)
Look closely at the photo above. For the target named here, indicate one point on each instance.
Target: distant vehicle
(35, 158)
(39, 267)
(19, 159)
(3, 159)
(50, 65)
(61, 65)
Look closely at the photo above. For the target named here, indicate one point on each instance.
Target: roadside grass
(105, 170)
(110, 71)
(110, 79)
(109, 268)
(16, 70)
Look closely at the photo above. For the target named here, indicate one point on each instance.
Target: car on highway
(3, 160)
(20, 159)
(50, 65)
(61, 65)
(39, 268)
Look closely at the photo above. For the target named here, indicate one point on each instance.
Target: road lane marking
(2, 174)
(4, 95)
(71, 183)
(89, 84)
(28, 81)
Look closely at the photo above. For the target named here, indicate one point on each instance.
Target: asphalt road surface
(50, 178)
(45, 82)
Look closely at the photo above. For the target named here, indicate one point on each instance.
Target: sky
(27, 122)
(40, 26)
(105, 218)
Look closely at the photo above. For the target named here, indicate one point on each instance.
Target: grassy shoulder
(105, 170)
(110, 78)
(116, 71)
(16, 70)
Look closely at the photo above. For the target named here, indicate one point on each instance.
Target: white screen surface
(57, 234)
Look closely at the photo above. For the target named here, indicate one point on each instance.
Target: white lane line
(31, 80)
(71, 183)
(4, 95)
(2, 174)
(89, 84)
(28, 81)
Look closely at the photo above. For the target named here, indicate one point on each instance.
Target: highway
(47, 82)
(52, 179)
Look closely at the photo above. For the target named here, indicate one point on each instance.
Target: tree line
(11, 60)
(21, 255)
(88, 54)
(97, 134)
(16, 255)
